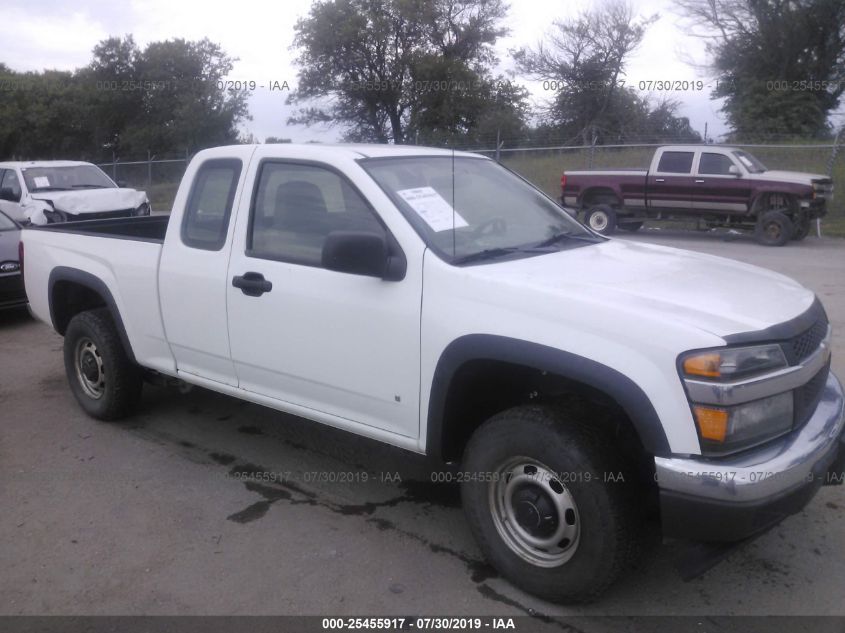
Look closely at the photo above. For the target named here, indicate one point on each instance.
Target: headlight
(734, 363)
(55, 216)
(144, 209)
(730, 429)
(727, 429)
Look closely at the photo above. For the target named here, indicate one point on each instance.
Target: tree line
(425, 71)
(165, 98)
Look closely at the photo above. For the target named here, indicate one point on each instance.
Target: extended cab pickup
(437, 302)
(50, 191)
(721, 186)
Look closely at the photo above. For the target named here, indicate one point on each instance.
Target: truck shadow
(14, 316)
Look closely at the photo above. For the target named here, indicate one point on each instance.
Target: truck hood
(93, 200)
(713, 294)
(797, 177)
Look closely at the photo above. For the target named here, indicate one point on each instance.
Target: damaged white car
(46, 192)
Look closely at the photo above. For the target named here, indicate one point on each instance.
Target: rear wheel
(539, 504)
(601, 218)
(104, 381)
(774, 229)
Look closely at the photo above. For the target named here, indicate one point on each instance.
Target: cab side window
(10, 186)
(715, 164)
(209, 207)
(295, 208)
(675, 162)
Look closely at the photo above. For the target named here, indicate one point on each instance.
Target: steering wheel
(493, 226)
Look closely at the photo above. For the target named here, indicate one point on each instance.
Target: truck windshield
(472, 209)
(753, 165)
(75, 177)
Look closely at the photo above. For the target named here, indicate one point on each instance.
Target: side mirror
(733, 170)
(122, 184)
(8, 195)
(361, 253)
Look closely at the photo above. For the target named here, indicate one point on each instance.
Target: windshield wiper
(559, 237)
(493, 253)
(90, 186)
(39, 189)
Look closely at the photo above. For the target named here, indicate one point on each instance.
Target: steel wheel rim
(89, 368)
(773, 230)
(534, 513)
(598, 221)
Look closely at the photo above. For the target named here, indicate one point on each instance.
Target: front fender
(627, 394)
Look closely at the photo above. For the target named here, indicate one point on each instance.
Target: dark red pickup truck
(721, 186)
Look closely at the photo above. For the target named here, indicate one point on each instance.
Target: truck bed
(143, 229)
(122, 256)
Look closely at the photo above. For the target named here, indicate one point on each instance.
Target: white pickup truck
(437, 302)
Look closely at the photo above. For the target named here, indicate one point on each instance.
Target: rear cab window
(210, 202)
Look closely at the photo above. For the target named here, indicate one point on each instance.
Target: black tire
(630, 226)
(601, 219)
(802, 225)
(103, 380)
(608, 523)
(774, 229)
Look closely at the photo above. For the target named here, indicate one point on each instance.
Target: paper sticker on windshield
(432, 208)
(41, 181)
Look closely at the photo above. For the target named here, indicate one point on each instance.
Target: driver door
(10, 195)
(342, 344)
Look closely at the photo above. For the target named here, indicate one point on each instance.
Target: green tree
(168, 97)
(780, 63)
(395, 70)
(582, 62)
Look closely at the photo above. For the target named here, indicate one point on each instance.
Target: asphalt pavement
(154, 515)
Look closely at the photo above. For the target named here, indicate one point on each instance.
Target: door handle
(252, 284)
(659, 180)
(700, 182)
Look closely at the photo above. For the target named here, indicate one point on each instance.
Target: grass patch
(162, 196)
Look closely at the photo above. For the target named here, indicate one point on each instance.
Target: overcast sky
(60, 35)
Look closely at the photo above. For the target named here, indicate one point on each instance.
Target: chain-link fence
(541, 165)
(159, 177)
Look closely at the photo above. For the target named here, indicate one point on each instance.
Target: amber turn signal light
(712, 423)
(706, 365)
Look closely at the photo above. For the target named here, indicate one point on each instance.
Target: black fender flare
(95, 284)
(630, 397)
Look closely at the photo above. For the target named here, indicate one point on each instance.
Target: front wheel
(542, 508)
(774, 229)
(104, 381)
(802, 227)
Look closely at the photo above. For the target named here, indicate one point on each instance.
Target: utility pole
(498, 144)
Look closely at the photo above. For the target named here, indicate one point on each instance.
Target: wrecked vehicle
(47, 192)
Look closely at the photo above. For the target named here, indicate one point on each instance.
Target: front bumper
(736, 497)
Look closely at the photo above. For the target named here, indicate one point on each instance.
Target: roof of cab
(23, 164)
(351, 150)
(693, 148)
